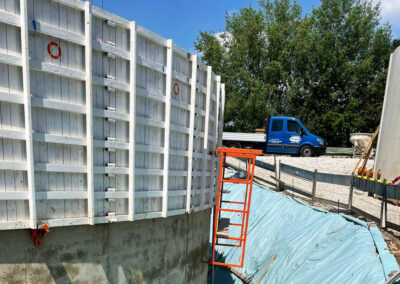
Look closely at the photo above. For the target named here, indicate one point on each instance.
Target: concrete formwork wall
(168, 250)
(388, 154)
(101, 120)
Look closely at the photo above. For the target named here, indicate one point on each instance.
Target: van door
(275, 141)
(292, 137)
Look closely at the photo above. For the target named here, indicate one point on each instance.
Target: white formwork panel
(111, 118)
(14, 189)
(180, 125)
(212, 136)
(209, 142)
(100, 120)
(199, 133)
(58, 98)
(387, 156)
(150, 124)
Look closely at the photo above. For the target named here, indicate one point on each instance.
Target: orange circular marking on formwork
(54, 56)
(176, 89)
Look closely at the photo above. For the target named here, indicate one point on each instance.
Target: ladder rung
(235, 224)
(236, 180)
(233, 202)
(227, 245)
(231, 238)
(232, 210)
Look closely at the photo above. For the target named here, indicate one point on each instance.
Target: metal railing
(381, 188)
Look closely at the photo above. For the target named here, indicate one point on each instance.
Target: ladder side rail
(220, 188)
(244, 209)
(248, 209)
(216, 211)
(221, 183)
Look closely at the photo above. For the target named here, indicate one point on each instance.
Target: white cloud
(390, 13)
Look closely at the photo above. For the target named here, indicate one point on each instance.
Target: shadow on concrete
(221, 274)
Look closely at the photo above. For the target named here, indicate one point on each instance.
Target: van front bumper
(319, 150)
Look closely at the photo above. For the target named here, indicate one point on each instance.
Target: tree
(213, 52)
(253, 64)
(327, 68)
(341, 69)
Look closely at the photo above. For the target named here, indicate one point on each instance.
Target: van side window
(293, 126)
(277, 125)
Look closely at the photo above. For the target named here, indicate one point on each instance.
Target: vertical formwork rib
(132, 119)
(205, 140)
(219, 126)
(221, 119)
(89, 110)
(193, 83)
(28, 113)
(214, 182)
(168, 78)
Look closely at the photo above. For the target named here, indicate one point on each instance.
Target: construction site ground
(334, 193)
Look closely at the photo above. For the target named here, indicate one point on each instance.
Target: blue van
(283, 135)
(287, 135)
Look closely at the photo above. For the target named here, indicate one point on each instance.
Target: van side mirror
(302, 132)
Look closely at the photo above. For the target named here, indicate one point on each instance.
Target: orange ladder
(221, 224)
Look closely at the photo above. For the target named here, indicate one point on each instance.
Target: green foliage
(327, 68)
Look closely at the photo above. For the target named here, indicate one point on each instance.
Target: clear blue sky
(182, 20)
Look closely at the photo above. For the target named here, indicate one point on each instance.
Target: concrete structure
(171, 250)
(102, 123)
(388, 153)
(101, 120)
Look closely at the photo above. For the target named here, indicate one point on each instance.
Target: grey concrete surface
(171, 250)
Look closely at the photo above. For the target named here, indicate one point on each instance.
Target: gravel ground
(325, 164)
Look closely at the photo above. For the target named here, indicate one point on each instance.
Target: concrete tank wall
(101, 120)
(170, 250)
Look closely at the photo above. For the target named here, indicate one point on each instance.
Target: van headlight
(320, 142)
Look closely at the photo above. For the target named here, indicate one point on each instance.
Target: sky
(181, 20)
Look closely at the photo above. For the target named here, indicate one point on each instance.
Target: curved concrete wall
(101, 120)
(171, 250)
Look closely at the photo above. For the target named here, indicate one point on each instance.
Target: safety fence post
(383, 205)
(276, 172)
(384, 225)
(278, 181)
(350, 203)
(314, 186)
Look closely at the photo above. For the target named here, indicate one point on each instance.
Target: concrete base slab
(165, 250)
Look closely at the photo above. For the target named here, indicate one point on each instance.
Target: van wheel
(233, 145)
(306, 151)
